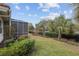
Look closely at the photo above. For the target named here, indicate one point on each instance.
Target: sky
(35, 12)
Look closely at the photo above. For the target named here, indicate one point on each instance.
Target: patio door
(1, 30)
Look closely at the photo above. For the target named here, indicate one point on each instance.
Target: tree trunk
(59, 34)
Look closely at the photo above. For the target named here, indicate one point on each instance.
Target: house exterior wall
(4, 10)
(1, 30)
(6, 29)
(5, 17)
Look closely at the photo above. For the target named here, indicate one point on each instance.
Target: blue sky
(35, 12)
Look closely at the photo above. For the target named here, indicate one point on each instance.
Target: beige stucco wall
(5, 17)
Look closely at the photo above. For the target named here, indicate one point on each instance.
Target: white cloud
(17, 7)
(67, 14)
(40, 5)
(45, 10)
(29, 14)
(50, 16)
(27, 8)
(32, 15)
(42, 17)
(51, 5)
(53, 15)
(35, 15)
(70, 11)
(46, 6)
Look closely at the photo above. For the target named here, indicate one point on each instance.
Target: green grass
(51, 47)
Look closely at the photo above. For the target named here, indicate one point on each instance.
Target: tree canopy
(53, 25)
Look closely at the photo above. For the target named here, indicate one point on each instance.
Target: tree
(64, 23)
(51, 26)
(76, 16)
(42, 27)
(76, 11)
(59, 25)
(31, 27)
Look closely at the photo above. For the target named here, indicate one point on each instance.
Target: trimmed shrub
(8, 42)
(19, 48)
(31, 32)
(22, 37)
(51, 34)
(74, 37)
(67, 36)
(40, 33)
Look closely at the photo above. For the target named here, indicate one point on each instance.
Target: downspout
(10, 35)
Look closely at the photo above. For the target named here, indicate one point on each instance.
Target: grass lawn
(51, 47)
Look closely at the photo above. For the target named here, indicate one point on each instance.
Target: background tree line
(58, 26)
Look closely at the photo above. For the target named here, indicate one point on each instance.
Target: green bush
(51, 34)
(8, 42)
(40, 33)
(19, 48)
(23, 37)
(30, 31)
